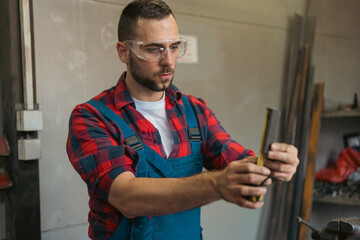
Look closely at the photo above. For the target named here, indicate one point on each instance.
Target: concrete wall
(336, 53)
(242, 47)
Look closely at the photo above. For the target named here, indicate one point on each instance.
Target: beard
(147, 82)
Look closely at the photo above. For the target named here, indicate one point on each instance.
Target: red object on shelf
(5, 181)
(347, 163)
(4, 146)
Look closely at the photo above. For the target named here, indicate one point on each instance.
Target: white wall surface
(242, 53)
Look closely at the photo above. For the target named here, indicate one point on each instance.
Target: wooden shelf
(344, 199)
(341, 114)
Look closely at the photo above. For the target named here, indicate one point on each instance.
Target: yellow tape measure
(271, 123)
(260, 160)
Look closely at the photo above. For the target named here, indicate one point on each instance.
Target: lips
(166, 75)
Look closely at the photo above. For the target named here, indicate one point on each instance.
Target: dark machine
(347, 228)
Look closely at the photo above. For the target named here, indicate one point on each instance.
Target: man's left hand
(282, 159)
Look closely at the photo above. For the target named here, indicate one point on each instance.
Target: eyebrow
(160, 45)
(176, 43)
(153, 45)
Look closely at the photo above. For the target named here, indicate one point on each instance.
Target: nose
(167, 59)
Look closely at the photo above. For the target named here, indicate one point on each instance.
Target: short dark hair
(146, 9)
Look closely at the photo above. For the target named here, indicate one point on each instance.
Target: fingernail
(267, 171)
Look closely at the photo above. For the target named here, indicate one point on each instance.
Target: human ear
(122, 50)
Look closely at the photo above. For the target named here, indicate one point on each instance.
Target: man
(141, 145)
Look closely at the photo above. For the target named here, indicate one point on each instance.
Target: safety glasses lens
(156, 51)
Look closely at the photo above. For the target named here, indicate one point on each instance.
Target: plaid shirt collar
(122, 95)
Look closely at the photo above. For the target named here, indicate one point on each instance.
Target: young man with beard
(141, 145)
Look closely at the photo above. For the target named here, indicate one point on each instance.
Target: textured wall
(242, 48)
(336, 54)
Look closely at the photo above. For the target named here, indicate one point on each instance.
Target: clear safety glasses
(155, 51)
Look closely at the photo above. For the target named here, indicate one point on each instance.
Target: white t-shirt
(155, 113)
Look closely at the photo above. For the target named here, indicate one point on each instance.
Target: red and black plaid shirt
(96, 153)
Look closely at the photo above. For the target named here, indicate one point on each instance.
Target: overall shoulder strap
(131, 138)
(194, 133)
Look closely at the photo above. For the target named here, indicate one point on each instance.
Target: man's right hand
(241, 179)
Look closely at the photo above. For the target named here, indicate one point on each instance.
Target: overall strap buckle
(194, 134)
(134, 142)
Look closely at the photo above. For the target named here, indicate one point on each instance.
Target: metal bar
(275, 221)
(293, 62)
(26, 45)
(318, 99)
(1, 111)
(304, 132)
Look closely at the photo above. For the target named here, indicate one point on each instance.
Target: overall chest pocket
(155, 166)
(187, 166)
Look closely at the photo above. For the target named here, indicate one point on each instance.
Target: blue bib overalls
(180, 226)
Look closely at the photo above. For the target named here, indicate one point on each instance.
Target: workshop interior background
(240, 68)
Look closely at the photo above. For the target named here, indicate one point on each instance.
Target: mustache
(165, 70)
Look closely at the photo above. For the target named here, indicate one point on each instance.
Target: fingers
(251, 159)
(247, 173)
(251, 205)
(240, 180)
(247, 167)
(281, 177)
(238, 194)
(249, 179)
(246, 190)
(282, 160)
(283, 152)
(278, 166)
(283, 147)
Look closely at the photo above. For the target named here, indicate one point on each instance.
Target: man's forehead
(156, 29)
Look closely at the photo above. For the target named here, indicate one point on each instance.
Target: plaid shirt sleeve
(218, 147)
(94, 151)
